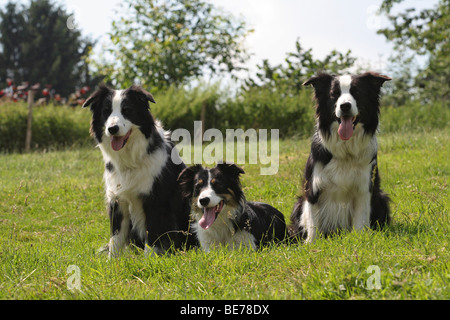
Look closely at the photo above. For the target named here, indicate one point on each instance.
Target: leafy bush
(258, 107)
(414, 116)
(265, 108)
(179, 108)
(52, 127)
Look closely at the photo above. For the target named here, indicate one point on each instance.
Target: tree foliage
(299, 66)
(160, 43)
(37, 46)
(425, 33)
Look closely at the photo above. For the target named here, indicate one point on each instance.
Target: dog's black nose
(113, 129)
(204, 201)
(345, 107)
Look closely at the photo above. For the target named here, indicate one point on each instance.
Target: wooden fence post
(29, 120)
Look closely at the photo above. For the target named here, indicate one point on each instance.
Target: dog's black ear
(320, 80)
(186, 180)
(377, 79)
(97, 96)
(321, 83)
(230, 168)
(140, 93)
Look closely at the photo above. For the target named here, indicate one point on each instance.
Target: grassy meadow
(52, 217)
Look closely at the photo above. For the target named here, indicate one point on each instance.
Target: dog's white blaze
(117, 100)
(116, 118)
(345, 84)
(209, 192)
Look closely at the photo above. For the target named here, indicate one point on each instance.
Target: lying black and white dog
(221, 213)
(144, 200)
(341, 188)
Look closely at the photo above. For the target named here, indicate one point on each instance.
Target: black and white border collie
(143, 197)
(341, 188)
(221, 213)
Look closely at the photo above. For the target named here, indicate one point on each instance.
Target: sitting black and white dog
(221, 213)
(143, 197)
(341, 189)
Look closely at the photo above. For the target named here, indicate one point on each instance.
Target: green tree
(12, 24)
(425, 33)
(37, 46)
(160, 43)
(299, 66)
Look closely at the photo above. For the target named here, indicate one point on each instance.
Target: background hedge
(60, 126)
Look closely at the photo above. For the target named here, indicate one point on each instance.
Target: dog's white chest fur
(344, 186)
(222, 233)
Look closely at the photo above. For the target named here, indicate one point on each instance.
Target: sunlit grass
(52, 216)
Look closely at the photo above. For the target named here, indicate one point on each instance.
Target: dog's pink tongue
(345, 130)
(117, 143)
(208, 218)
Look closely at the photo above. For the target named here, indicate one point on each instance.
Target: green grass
(52, 216)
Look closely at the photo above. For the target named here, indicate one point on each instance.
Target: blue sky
(323, 25)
